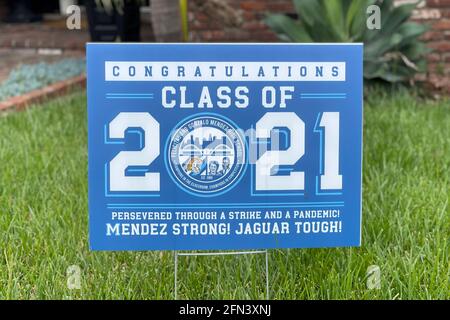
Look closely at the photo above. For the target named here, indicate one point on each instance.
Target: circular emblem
(206, 155)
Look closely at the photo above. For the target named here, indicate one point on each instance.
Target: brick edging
(42, 94)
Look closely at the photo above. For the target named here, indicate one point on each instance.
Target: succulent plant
(392, 53)
(26, 78)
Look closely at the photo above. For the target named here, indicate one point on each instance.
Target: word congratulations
(224, 71)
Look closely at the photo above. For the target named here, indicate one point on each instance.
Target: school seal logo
(206, 155)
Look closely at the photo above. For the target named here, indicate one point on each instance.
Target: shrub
(392, 53)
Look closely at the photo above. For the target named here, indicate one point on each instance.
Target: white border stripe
(224, 71)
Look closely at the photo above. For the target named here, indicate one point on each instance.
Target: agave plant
(392, 53)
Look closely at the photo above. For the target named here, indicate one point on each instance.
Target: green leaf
(287, 28)
(380, 46)
(391, 72)
(400, 71)
(411, 31)
(392, 20)
(356, 8)
(356, 19)
(421, 65)
(311, 15)
(346, 5)
(393, 77)
(310, 11)
(335, 16)
(393, 53)
(372, 69)
(415, 50)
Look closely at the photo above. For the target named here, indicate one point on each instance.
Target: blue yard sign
(224, 146)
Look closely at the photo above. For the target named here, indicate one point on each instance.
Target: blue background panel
(106, 99)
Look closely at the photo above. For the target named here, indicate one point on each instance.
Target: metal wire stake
(176, 273)
(267, 274)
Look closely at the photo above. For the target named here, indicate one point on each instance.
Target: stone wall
(241, 21)
(436, 13)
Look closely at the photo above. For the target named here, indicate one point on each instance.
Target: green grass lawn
(406, 219)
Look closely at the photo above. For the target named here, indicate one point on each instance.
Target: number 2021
(330, 179)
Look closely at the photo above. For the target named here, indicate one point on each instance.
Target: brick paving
(28, 43)
(47, 34)
(52, 33)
